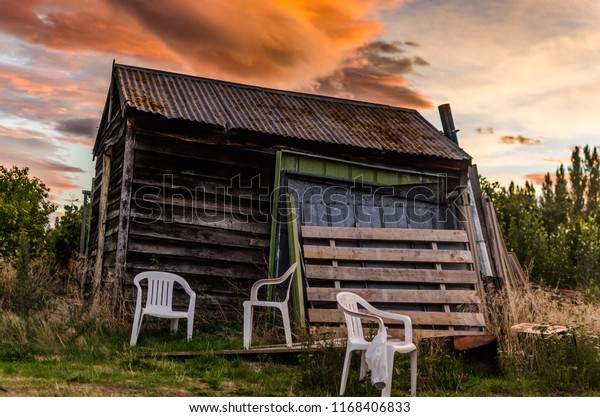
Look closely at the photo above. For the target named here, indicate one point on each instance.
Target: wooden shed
(218, 182)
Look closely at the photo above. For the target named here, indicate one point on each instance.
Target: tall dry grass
(44, 310)
(546, 307)
(567, 362)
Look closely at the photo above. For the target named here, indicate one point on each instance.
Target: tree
(555, 202)
(560, 232)
(592, 169)
(578, 182)
(24, 209)
(64, 238)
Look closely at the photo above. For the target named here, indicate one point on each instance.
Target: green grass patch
(73, 346)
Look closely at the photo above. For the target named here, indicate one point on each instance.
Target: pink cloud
(520, 139)
(61, 52)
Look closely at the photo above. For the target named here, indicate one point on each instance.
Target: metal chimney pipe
(448, 122)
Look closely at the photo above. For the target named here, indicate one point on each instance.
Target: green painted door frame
(326, 167)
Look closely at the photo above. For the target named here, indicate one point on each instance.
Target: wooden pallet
(426, 274)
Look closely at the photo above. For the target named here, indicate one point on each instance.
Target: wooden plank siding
(427, 274)
(394, 235)
(200, 211)
(109, 227)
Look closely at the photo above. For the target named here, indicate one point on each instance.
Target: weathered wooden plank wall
(432, 281)
(109, 143)
(113, 203)
(201, 211)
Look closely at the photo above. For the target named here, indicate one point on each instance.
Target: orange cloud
(23, 84)
(376, 72)
(53, 84)
(521, 140)
(279, 43)
(539, 178)
(74, 25)
(485, 130)
(51, 172)
(284, 43)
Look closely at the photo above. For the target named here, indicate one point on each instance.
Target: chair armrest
(394, 316)
(272, 281)
(262, 282)
(365, 316)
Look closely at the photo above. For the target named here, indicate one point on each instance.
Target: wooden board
(417, 317)
(399, 296)
(471, 342)
(398, 333)
(387, 255)
(394, 235)
(432, 276)
(426, 274)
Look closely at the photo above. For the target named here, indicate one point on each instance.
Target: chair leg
(345, 371)
(135, 329)
(190, 327)
(387, 391)
(248, 309)
(413, 373)
(174, 325)
(286, 325)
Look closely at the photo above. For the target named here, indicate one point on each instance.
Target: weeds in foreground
(566, 363)
(61, 347)
(42, 312)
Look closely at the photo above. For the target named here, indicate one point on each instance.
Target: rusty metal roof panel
(170, 95)
(283, 113)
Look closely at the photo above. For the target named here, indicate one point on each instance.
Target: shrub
(24, 208)
(64, 238)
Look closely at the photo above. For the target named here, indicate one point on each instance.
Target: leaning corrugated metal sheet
(295, 115)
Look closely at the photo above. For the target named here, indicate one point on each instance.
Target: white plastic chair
(281, 305)
(349, 304)
(159, 301)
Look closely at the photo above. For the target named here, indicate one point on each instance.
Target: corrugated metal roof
(283, 113)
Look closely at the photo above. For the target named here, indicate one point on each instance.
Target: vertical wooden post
(274, 216)
(124, 212)
(102, 207)
(83, 235)
(294, 245)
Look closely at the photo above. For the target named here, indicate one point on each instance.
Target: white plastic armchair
(281, 305)
(349, 304)
(159, 301)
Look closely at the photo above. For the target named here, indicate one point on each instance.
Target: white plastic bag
(376, 357)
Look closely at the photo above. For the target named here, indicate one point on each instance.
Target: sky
(522, 76)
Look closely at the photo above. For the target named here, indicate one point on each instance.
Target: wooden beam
(471, 342)
(398, 333)
(186, 233)
(102, 220)
(381, 295)
(440, 318)
(298, 312)
(205, 268)
(257, 350)
(392, 234)
(174, 248)
(203, 219)
(123, 233)
(429, 276)
(274, 215)
(387, 254)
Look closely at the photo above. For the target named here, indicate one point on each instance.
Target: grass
(64, 345)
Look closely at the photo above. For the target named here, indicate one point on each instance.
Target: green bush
(567, 363)
(24, 209)
(64, 238)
